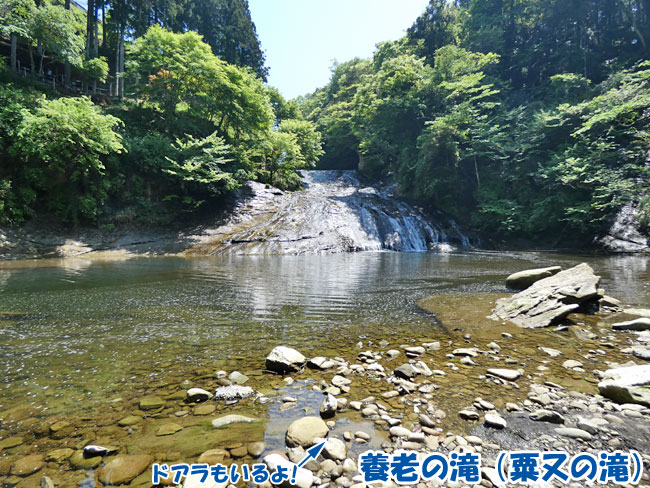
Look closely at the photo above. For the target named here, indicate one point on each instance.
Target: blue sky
(302, 37)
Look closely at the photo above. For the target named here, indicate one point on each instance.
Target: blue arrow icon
(312, 453)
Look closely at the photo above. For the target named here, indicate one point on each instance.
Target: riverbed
(84, 339)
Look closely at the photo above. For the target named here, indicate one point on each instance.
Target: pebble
(547, 416)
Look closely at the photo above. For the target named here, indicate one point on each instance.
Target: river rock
(130, 420)
(495, 421)
(59, 455)
(549, 299)
(550, 351)
(329, 406)
(627, 385)
(642, 323)
(641, 353)
(213, 456)
(406, 371)
(304, 431)
(571, 364)
(303, 479)
(523, 279)
(79, 461)
(92, 450)
(285, 360)
(124, 468)
(231, 419)
(468, 415)
(334, 449)
(168, 429)
(27, 465)
(151, 403)
(238, 378)
(198, 395)
(547, 416)
(10, 442)
(399, 431)
(506, 374)
(233, 392)
(255, 449)
(573, 433)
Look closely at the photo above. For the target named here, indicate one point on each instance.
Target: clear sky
(301, 38)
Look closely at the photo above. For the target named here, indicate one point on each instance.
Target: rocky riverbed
(580, 384)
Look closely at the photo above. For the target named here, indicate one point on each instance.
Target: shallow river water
(77, 334)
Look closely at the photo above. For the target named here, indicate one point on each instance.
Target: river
(78, 334)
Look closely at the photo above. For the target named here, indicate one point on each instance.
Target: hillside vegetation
(524, 119)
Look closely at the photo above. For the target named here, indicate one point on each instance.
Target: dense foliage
(521, 118)
(195, 120)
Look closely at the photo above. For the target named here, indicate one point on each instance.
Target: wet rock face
(627, 385)
(549, 299)
(334, 213)
(624, 234)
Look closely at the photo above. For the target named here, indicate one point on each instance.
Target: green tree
(64, 144)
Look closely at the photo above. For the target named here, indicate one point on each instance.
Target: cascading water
(334, 213)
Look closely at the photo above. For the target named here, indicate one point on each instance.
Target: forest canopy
(187, 119)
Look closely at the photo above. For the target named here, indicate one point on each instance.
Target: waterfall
(335, 212)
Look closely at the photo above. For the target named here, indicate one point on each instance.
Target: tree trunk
(14, 50)
(67, 70)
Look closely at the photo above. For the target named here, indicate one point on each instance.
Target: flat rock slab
(549, 299)
(506, 374)
(627, 385)
(523, 279)
(642, 323)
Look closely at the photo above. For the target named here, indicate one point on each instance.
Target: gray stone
(283, 360)
(506, 374)
(334, 449)
(550, 351)
(469, 415)
(495, 421)
(571, 363)
(549, 299)
(329, 406)
(547, 416)
(238, 378)
(406, 371)
(523, 279)
(641, 353)
(642, 323)
(398, 431)
(627, 385)
(573, 433)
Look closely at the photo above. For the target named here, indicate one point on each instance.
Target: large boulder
(283, 360)
(523, 279)
(304, 432)
(627, 385)
(549, 299)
